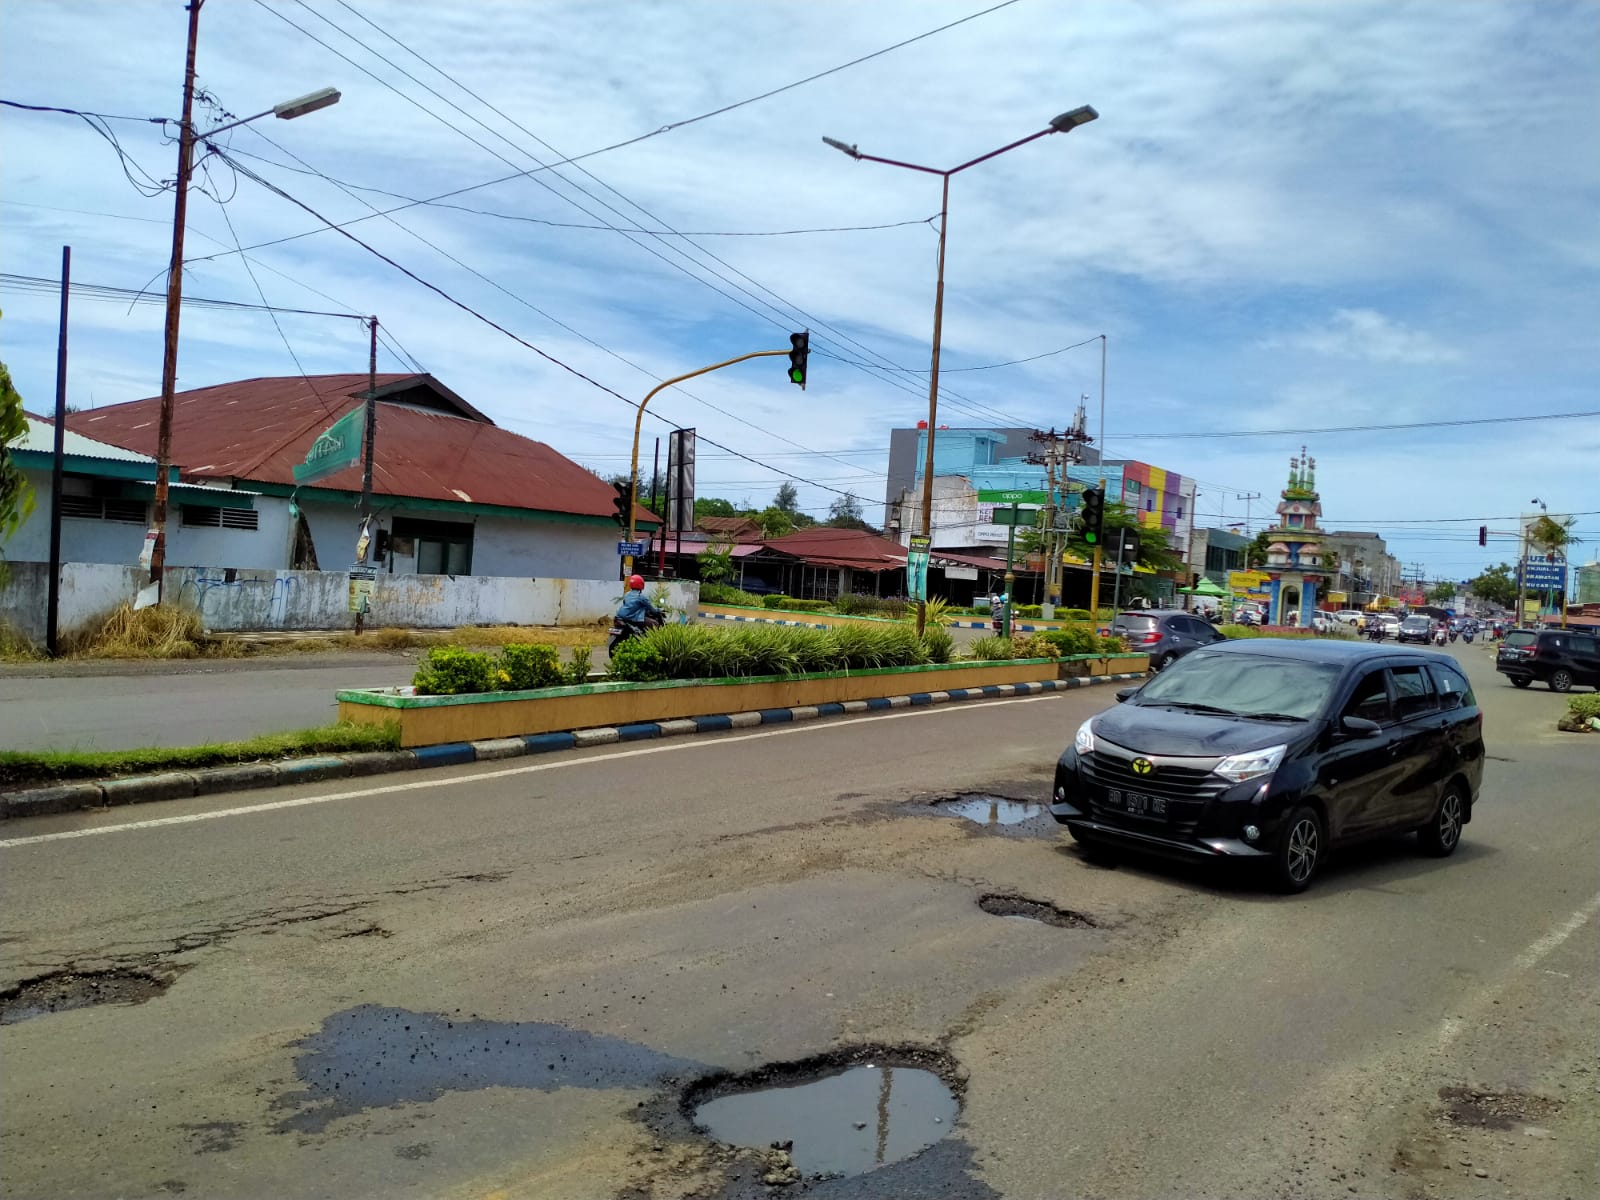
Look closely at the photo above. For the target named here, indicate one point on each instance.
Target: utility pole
(369, 436)
(1248, 498)
(169, 350)
(57, 466)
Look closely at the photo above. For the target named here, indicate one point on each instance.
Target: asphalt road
(491, 981)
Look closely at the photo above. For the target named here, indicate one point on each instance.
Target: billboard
(1542, 574)
(1248, 581)
(680, 480)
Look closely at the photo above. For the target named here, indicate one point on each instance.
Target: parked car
(1274, 751)
(1166, 635)
(1415, 629)
(1557, 657)
(1349, 616)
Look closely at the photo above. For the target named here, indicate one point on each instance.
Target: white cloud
(1363, 334)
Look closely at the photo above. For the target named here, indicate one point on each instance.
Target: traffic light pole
(638, 424)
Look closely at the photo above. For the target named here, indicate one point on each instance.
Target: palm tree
(1552, 535)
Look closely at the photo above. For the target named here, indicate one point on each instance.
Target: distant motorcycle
(1439, 638)
(1375, 632)
(623, 631)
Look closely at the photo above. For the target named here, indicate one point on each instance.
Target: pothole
(1483, 1109)
(1000, 904)
(990, 810)
(61, 991)
(840, 1114)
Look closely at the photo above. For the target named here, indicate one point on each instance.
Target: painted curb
(38, 802)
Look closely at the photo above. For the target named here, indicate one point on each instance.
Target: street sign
(336, 447)
(361, 589)
(994, 496)
(636, 549)
(1539, 574)
(1015, 516)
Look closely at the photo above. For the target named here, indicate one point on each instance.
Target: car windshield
(1416, 622)
(1245, 685)
(1520, 639)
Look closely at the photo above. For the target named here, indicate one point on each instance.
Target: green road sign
(337, 447)
(990, 496)
(1015, 516)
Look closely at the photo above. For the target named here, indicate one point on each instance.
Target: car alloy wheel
(1561, 681)
(1300, 849)
(1441, 835)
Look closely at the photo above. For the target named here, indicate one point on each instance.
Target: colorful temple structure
(1294, 555)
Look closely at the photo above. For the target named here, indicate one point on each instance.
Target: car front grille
(1179, 794)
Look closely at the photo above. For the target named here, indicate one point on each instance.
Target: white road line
(686, 744)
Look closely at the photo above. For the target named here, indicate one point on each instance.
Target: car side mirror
(1126, 693)
(1359, 727)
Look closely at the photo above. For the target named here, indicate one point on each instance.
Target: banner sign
(961, 573)
(337, 447)
(361, 589)
(1248, 581)
(991, 496)
(680, 480)
(1539, 574)
(917, 567)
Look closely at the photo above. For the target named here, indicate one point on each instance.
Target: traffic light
(1130, 546)
(797, 357)
(1483, 535)
(623, 503)
(1093, 515)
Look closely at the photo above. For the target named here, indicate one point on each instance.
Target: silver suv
(1164, 634)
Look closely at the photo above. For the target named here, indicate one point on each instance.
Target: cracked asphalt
(494, 981)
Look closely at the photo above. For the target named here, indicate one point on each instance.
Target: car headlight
(1083, 743)
(1236, 768)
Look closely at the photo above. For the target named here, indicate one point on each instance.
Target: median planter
(434, 720)
(1080, 666)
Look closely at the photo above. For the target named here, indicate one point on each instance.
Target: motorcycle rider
(635, 609)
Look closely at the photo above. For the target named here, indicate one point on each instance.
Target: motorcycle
(1375, 632)
(623, 631)
(1439, 638)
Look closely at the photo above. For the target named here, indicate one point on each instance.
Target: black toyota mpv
(1274, 751)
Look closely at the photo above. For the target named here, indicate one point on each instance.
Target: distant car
(1322, 623)
(1272, 751)
(1415, 629)
(1557, 657)
(1349, 616)
(1166, 635)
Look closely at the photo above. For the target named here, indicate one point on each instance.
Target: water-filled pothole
(834, 1117)
(1020, 907)
(61, 991)
(991, 810)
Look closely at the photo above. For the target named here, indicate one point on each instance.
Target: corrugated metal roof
(430, 444)
(40, 437)
(854, 548)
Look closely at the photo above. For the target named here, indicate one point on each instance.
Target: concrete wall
(231, 600)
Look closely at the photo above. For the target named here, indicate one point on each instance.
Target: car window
(1134, 623)
(1413, 692)
(1551, 641)
(1453, 688)
(1520, 639)
(1370, 700)
(1582, 644)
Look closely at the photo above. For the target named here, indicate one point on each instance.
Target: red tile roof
(430, 444)
(855, 548)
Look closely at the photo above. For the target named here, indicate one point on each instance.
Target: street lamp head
(842, 147)
(299, 107)
(1068, 121)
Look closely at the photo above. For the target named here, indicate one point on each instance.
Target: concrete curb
(38, 802)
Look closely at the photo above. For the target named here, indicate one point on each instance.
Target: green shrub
(1584, 707)
(807, 606)
(776, 600)
(893, 607)
(990, 649)
(1026, 610)
(1037, 646)
(578, 668)
(938, 643)
(721, 593)
(852, 605)
(528, 665)
(702, 652)
(1076, 614)
(1113, 645)
(452, 671)
(1074, 639)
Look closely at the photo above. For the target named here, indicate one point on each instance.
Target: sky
(1288, 217)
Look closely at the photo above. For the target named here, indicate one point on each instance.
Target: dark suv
(1164, 634)
(1275, 750)
(1558, 657)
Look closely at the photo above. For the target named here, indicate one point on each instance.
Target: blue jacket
(636, 608)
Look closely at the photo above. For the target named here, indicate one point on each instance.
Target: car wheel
(1561, 680)
(1441, 835)
(1521, 682)
(1301, 845)
(1095, 851)
(1161, 664)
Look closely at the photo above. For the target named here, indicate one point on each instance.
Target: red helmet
(636, 583)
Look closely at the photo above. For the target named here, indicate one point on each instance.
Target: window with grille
(104, 508)
(204, 517)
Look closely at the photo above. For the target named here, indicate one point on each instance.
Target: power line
(78, 112)
(1232, 433)
(39, 285)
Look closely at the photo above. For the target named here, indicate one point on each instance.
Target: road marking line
(530, 768)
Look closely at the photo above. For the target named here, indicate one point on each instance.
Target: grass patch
(16, 648)
(161, 631)
(22, 767)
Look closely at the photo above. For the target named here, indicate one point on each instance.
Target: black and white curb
(177, 785)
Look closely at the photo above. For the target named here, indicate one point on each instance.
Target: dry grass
(16, 648)
(162, 631)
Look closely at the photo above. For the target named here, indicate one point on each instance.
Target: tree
(1442, 593)
(713, 506)
(1497, 585)
(1255, 553)
(787, 499)
(845, 513)
(716, 562)
(774, 522)
(16, 494)
(1549, 535)
(1155, 551)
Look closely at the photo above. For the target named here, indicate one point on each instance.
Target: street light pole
(180, 209)
(1064, 123)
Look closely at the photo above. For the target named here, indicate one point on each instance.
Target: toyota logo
(1143, 766)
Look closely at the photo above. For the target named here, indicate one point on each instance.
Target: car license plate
(1136, 804)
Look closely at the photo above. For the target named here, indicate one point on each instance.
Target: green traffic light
(796, 375)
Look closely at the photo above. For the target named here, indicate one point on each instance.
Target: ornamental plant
(532, 665)
(452, 671)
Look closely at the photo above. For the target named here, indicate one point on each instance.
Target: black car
(1164, 634)
(1558, 657)
(1415, 629)
(1274, 751)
